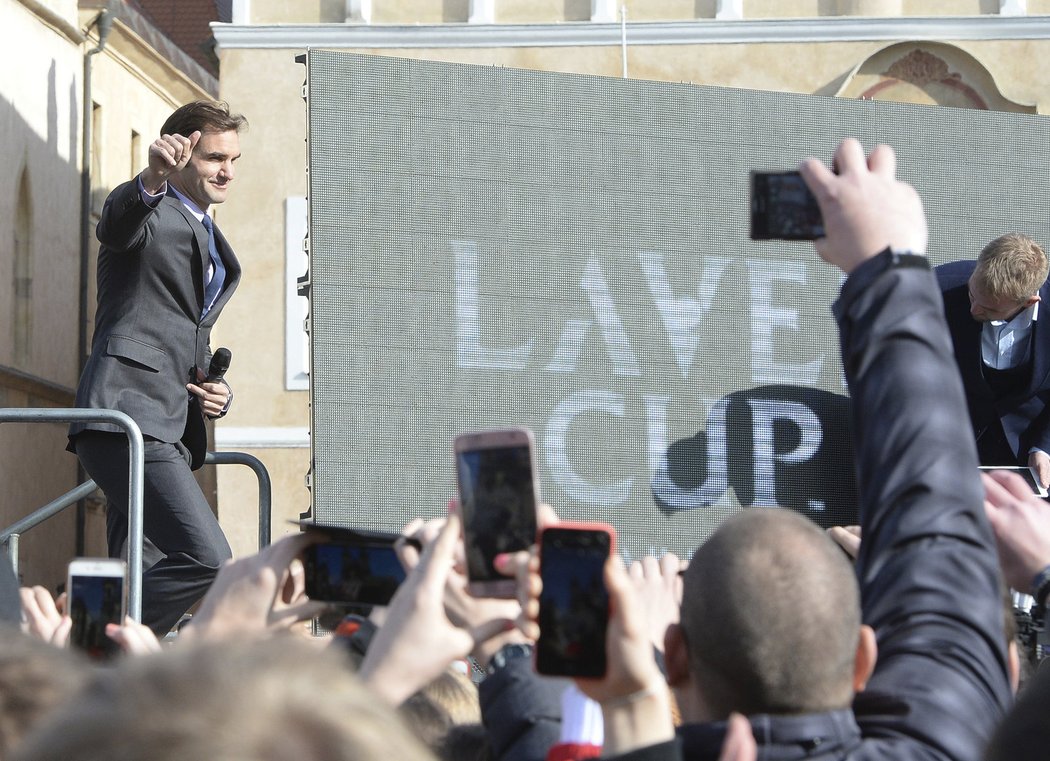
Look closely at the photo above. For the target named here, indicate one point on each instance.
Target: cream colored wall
(40, 108)
(782, 67)
(556, 11)
(266, 87)
(298, 12)
(239, 513)
(40, 126)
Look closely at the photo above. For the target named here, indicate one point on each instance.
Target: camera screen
(783, 208)
(94, 602)
(574, 604)
(498, 505)
(368, 574)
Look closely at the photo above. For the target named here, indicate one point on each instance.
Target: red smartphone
(574, 603)
(499, 494)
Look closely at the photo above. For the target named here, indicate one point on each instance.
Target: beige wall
(40, 125)
(266, 88)
(40, 111)
(556, 11)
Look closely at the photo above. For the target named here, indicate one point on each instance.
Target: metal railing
(135, 484)
(265, 489)
(10, 536)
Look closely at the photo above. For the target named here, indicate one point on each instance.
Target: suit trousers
(183, 545)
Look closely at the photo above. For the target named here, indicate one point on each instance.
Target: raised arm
(927, 567)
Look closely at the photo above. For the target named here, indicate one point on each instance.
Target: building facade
(103, 66)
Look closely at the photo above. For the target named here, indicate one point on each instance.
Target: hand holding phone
(96, 597)
(499, 496)
(574, 603)
(352, 566)
(783, 208)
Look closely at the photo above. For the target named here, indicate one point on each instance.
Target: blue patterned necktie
(213, 286)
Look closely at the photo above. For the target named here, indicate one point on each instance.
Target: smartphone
(783, 208)
(499, 494)
(352, 566)
(1024, 472)
(96, 596)
(574, 603)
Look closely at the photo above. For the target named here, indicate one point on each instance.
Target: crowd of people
(772, 643)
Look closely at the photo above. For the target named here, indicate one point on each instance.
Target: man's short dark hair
(771, 615)
(203, 115)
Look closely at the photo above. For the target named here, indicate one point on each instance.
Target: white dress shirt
(1004, 343)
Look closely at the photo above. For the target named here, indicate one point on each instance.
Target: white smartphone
(499, 494)
(1024, 472)
(96, 596)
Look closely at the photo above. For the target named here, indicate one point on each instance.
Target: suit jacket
(149, 334)
(1025, 416)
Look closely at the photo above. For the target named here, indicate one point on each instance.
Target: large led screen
(494, 247)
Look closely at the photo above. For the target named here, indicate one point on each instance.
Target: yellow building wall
(267, 88)
(40, 125)
(559, 11)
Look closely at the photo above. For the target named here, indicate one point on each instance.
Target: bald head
(771, 615)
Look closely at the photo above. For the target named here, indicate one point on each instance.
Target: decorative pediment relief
(929, 73)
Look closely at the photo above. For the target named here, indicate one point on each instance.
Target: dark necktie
(213, 286)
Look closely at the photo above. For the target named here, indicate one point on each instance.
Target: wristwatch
(509, 652)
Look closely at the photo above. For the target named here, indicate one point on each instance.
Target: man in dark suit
(164, 274)
(1002, 348)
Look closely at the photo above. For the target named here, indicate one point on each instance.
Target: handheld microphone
(220, 363)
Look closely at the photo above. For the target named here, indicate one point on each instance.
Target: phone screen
(368, 574)
(498, 503)
(95, 601)
(574, 603)
(1024, 472)
(783, 208)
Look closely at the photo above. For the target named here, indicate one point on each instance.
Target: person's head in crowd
(466, 742)
(770, 622)
(1024, 734)
(429, 721)
(278, 699)
(35, 678)
(1009, 273)
(446, 702)
(455, 693)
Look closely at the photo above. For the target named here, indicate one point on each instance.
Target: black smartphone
(574, 603)
(96, 596)
(352, 566)
(783, 208)
(498, 494)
